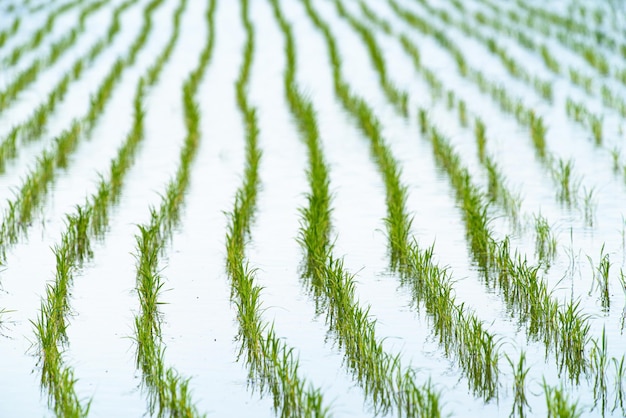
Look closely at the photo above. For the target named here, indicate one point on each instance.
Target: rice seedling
(538, 134)
(596, 128)
(549, 60)
(499, 193)
(568, 186)
(479, 133)
(545, 242)
(558, 404)
(615, 157)
(462, 113)
(7, 33)
(520, 373)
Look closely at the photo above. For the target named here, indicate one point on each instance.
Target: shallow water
(199, 321)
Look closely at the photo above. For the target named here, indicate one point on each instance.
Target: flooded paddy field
(341, 208)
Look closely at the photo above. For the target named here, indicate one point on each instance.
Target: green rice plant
(520, 373)
(581, 80)
(549, 60)
(568, 186)
(479, 133)
(545, 242)
(615, 157)
(462, 113)
(422, 117)
(450, 99)
(7, 33)
(499, 193)
(538, 134)
(574, 331)
(558, 403)
(596, 128)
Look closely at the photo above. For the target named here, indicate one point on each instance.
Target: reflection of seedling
(615, 156)
(589, 206)
(601, 277)
(520, 372)
(619, 389)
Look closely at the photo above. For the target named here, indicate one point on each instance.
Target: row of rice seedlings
(523, 115)
(580, 113)
(7, 33)
(500, 24)
(34, 126)
(31, 195)
(497, 190)
(542, 87)
(397, 97)
(555, 19)
(272, 364)
(568, 191)
(586, 51)
(38, 36)
(168, 391)
(34, 8)
(459, 331)
(562, 328)
(332, 286)
(75, 248)
(592, 122)
(27, 76)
